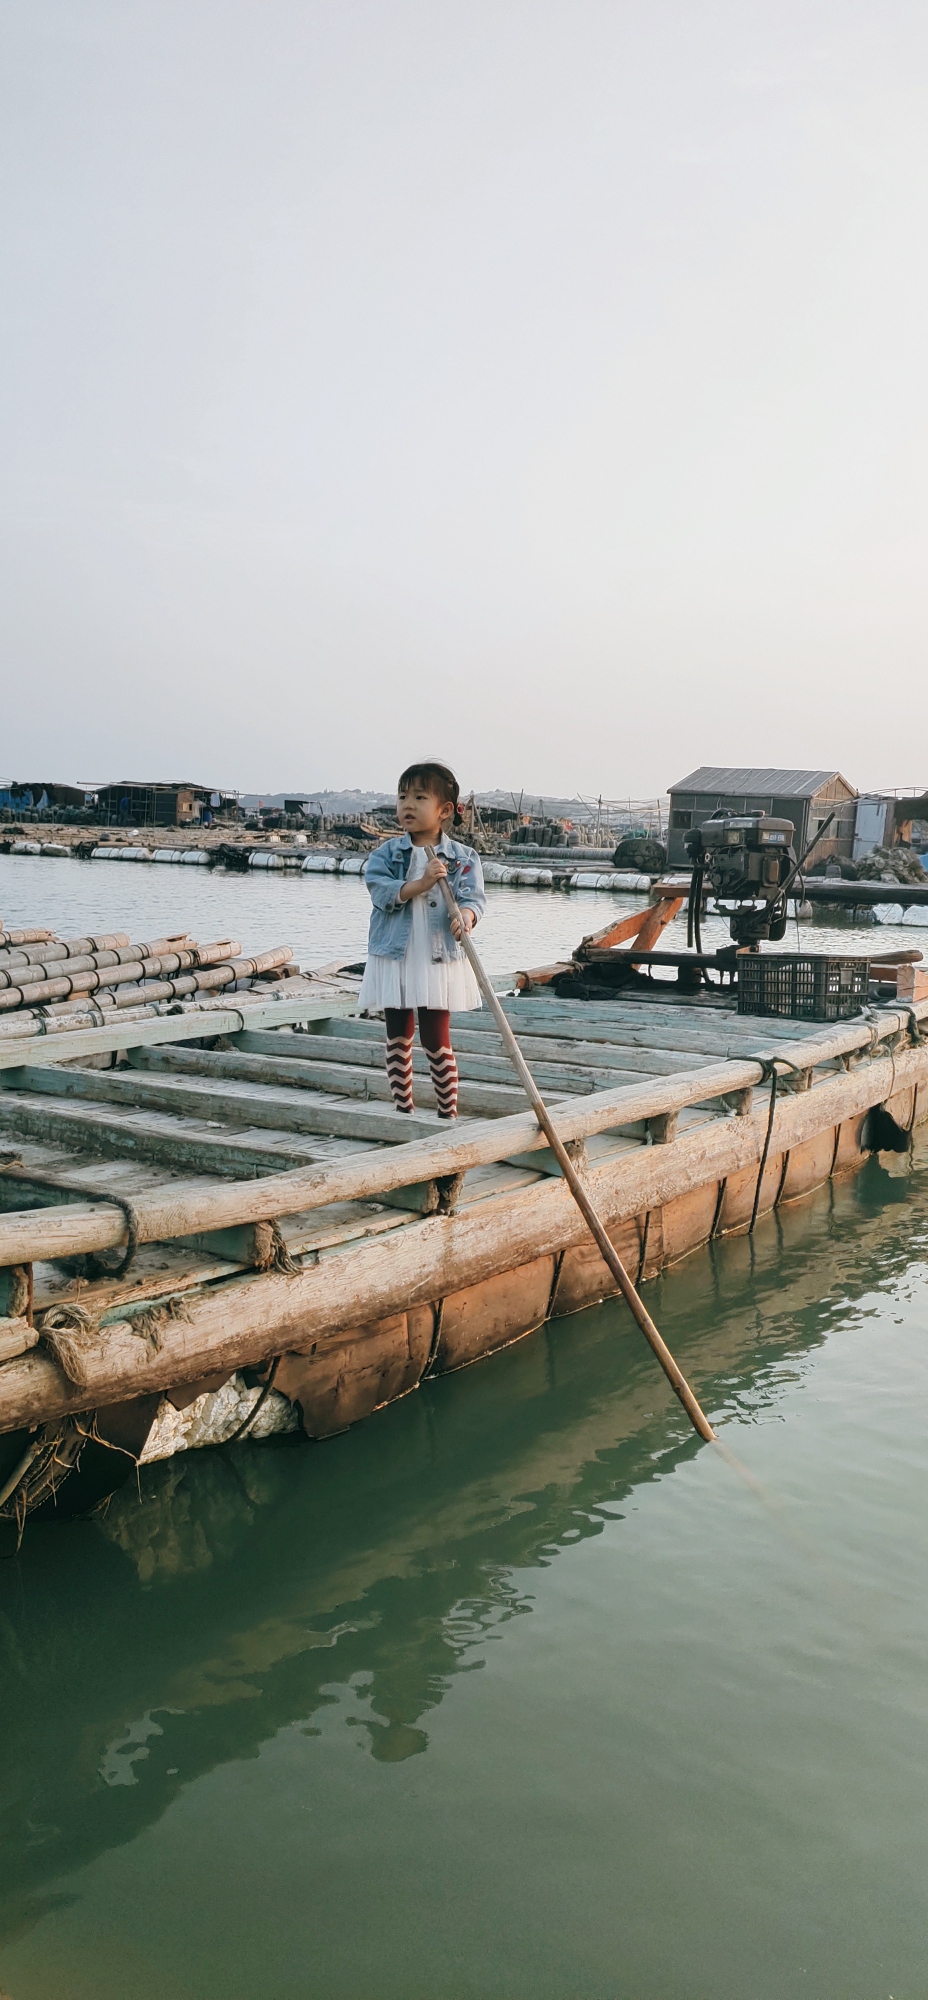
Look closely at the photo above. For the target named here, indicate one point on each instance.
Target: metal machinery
(749, 865)
(744, 860)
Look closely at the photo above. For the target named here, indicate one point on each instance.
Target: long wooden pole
(675, 1376)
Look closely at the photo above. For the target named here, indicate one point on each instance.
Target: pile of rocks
(891, 864)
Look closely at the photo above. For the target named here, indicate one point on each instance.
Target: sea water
(325, 917)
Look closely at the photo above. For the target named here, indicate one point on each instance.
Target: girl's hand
(431, 873)
(470, 918)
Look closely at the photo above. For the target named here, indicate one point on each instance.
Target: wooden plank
(245, 1105)
(600, 1015)
(126, 1178)
(317, 1230)
(157, 1270)
(650, 921)
(676, 1028)
(363, 1053)
(73, 1044)
(658, 917)
(175, 1142)
(618, 932)
(598, 1059)
(679, 1039)
(365, 1080)
(615, 1062)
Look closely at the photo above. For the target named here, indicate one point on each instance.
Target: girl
(414, 957)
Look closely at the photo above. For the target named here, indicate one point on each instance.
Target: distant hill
(616, 814)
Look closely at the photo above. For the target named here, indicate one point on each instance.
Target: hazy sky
(540, 384)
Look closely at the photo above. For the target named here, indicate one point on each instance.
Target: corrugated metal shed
(757, 780)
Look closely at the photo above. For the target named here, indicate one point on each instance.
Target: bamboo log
(609, 1254)
(235, 1325)
(72, 1037)
(358, 1068)
(16, 1337)
(624, 1058)
(45, 973)
(364, 1081)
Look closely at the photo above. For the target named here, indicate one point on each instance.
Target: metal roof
(759, 780)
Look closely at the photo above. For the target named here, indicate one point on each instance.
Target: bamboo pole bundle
(43, 980)
(78, 982)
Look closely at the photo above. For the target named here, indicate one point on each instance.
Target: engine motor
(746, 860)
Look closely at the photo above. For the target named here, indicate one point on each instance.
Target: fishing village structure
(806, 798)
(212, 1222)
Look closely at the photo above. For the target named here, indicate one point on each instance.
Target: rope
(914, 1025)
(251, 1414)
(437, 1341)
(555, 1281)
(770, 1075)
(133, 1225)
(643, 1252)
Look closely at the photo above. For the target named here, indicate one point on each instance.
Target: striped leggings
(435, 1036)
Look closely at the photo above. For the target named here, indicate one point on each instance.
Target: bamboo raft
(213, 1218)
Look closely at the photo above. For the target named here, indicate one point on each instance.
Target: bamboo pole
(611, 1259)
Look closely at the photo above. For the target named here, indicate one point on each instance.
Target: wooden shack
(169, 804)
(805, 797)
(39, 795)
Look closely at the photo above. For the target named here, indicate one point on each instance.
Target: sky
(539, 384)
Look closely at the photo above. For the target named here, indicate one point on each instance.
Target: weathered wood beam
(649, 921)
(614, 1050)
(175, 1142)
(70, 1045)
(485, 1065)
(298, 1101)
(563, 1016)
(678, 1028)
(484, 1081)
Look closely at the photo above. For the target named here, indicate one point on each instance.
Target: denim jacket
(391, 920)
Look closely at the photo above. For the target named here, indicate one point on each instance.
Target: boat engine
(744, 860)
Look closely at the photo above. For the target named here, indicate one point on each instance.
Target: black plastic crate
(802, 986)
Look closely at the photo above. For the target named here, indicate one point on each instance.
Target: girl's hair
(433, 778)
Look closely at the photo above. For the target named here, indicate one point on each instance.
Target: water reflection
(242, 1592)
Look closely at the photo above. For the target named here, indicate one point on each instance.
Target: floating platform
(216, 1219)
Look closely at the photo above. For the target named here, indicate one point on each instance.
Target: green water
(515, 1690)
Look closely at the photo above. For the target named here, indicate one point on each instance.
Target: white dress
(418, 979)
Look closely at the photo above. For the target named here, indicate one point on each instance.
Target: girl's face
(422, 814)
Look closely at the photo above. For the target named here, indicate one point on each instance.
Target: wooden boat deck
(282, 1207)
